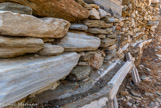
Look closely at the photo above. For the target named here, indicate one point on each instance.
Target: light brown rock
(98, 23)
(65, 9)
(95, 59)
(100, 31)
(94, 14)
(14, 24)
(12, 47)
(107, 42)
(50, 50)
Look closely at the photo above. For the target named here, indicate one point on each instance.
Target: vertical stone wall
(79, 50)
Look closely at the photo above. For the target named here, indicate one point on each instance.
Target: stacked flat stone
(22, 33)
(99, 28)
(140, 18)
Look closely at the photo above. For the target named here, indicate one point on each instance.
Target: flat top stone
(27, 25)
(79, 41)
(66, 9)
(6, 64)
(16, 8)
(20, 77)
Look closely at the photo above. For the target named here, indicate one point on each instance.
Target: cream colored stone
(50, 50)
(94, 14)
(16, 46)
(14, 24)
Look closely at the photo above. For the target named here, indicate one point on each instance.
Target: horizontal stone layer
(79, 41)
(22, 76)
(14, 24)
(16, 46)
(65, 9)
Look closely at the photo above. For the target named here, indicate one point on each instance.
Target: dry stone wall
(76, 46)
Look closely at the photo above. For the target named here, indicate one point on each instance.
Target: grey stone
(110, 20)
(99, 31)
(94, 14)
(50, 50)
(98, 23)
(135, 93)
(110, 6)
(15, 24)
(145, 78)
(22, 76)
(102, 13)
(16, 46)
(107, 42)
(79, 73)
(80, 27)
(79, 41)
(110, 54)
(15, 8)
(113, 36)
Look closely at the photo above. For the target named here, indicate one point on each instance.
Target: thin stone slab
(65, 9)
(15, 8)
(50, 50)
(22, 76)
(79, 41)
(14, 24)
(111, 6)
(80, 27)
(16, 46)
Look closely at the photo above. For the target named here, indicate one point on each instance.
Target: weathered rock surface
(94, 14)
(15, 24)
(102, 13)
(80, 27)
(15, 8)
(97, 23)
(94, 59)
(11, 47)
(50, 50)
(110, 6)
(100, 31)
(79, 42)
(107, 42)
(79, 73)
(21, 77)
(66, 9)
(110, 20)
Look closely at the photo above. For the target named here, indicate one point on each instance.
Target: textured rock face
(94, 14)
(111, 6)
(21, 77)
(16, 8)
(12, 47)
(94, 59)
(107, 42)
(27, 25)
(102, 13)
(97, 23)
(79, 42)
(80, 27)
(100, 31)
(79, 73)
(50, 50)
(66, 9)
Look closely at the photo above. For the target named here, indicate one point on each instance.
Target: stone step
(20, 77)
